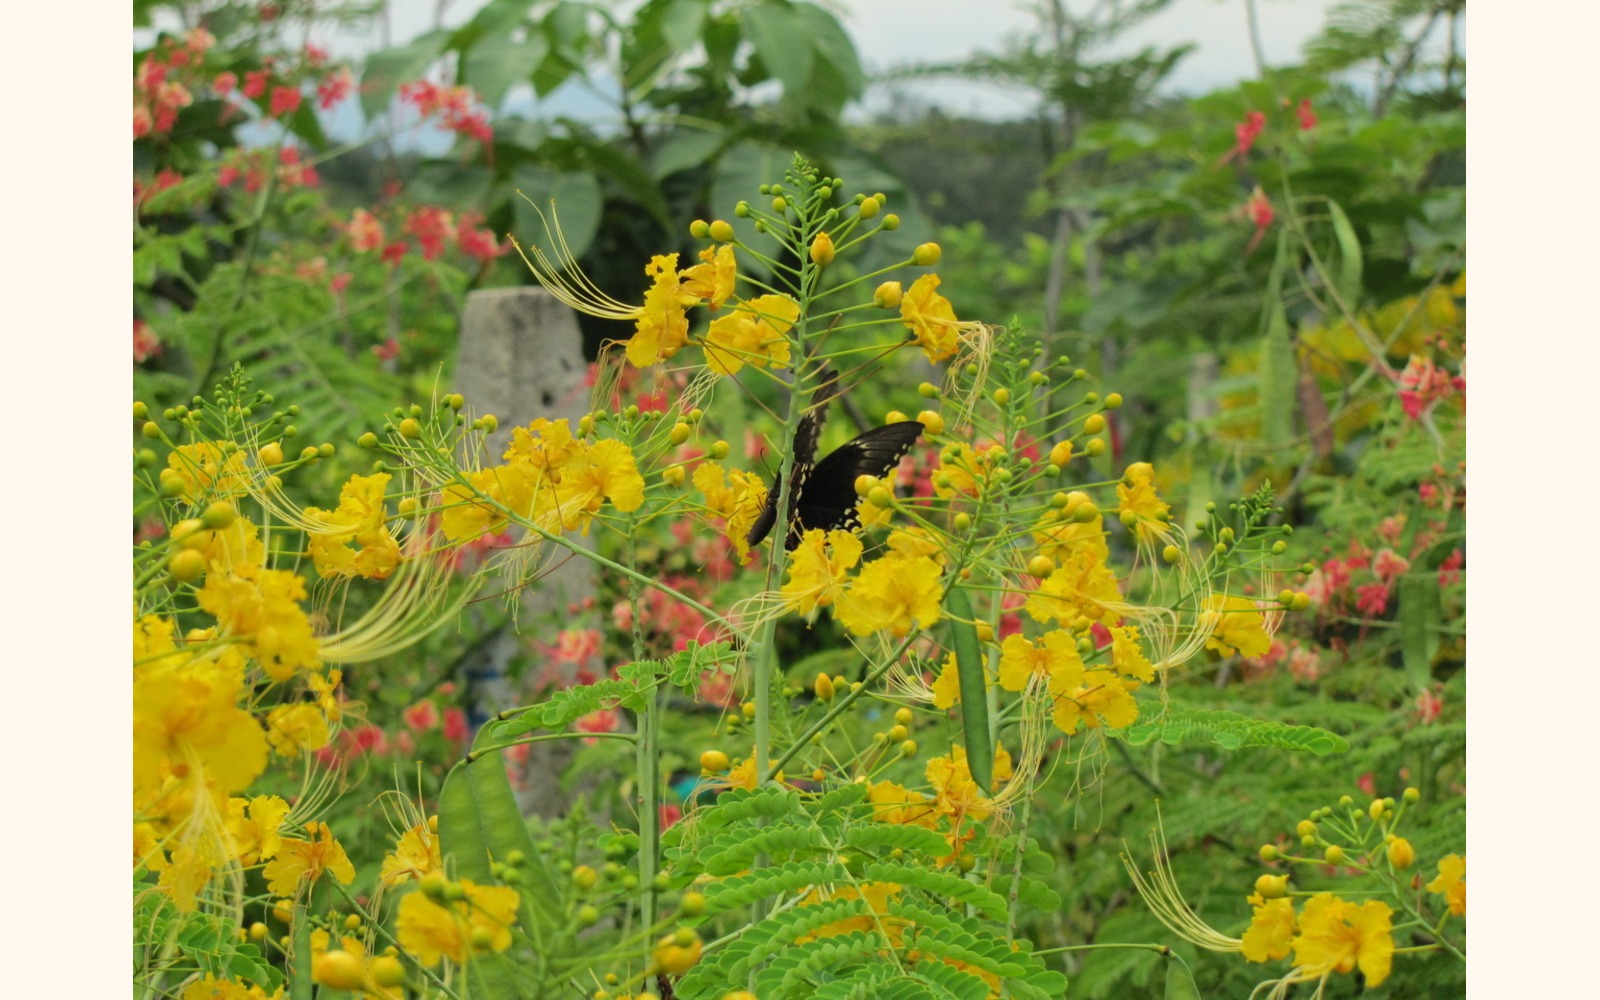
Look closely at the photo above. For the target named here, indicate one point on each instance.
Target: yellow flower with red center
(1336, 936)
(416, 854)
(307, 861)
(1271, 929)
(252, 827)
(893, 594)
(359, 519)
(264, 615)
(818, 568)
(756, 333)
(1451, 883)
(1235, 627)
(1138, 502)
(1022, 659)
(429, 931)
(930, 318)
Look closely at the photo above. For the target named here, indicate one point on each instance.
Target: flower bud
(1094, 424)
(700, 229)
(1041, 566)
(891, 222)
(1411, 796)
(1273, 886)
(272, 454)
(870, 207)
(673, 475)
(1268, 852)
(679, 433)
(1171, 554)
(337, 969)
(1401, 853)
(926, 255)
(822, 687)
(721, 231)
(1113, 400)
(903, 716)
(1002, 396)
(1096, 447)
(388, 971)
(1334, 855)
(865, 484)
(932, 421)
(822, 250)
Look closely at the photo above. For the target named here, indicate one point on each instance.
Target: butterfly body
(825, 491)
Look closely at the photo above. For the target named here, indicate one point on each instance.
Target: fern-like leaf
(1181, 724)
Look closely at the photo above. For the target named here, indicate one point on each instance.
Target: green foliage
(1180, 725)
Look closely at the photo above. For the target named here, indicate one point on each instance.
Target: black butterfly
(825, 491)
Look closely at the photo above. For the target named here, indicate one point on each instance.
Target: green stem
(384, 933)
(647, 757)
(495, 747)
(841, 703)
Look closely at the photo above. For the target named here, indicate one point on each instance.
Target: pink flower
(255, 82)
(1245, 133)
(422, 716)
(717, 689)
(1305, 664)
(335, 87)
(431, 226)
(1372, 599)
(225, 83)
(476, 241)
(455, 725)
(146, 344)
(1391, 528)
(316, 55)
(339, 282)
(1387, 565)
(1428, 705)
(1308, 118)
(1428, 493)
(388, 350)
(575, 645)
(371, 739)
(404, 744)
(1368, 786)
(1422, 385)
(364, 230)
(603, 721)
(1450, 569)
(1260, 213)
(395, 252)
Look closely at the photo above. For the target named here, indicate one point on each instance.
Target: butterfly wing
(806, 437)
(827, 499)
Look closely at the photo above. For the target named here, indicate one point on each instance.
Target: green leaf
(497, 63)
(684, 148)
(974, 699)
(833, 45)
(1348, 279)
(1180, 983)
(385, 71)
(1180, 724)
(1419, 627)
(780, 38)
(578, 202)
(740, 172)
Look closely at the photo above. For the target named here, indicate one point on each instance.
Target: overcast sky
(891, 32)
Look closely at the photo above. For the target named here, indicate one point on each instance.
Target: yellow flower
(1127, 655)
(264, 615)
(236, 549)
(208, 471)
(465, 517)
(876, 895)
(961, 470)
(152, 636)
(1271, 929)
(1336, 936)
(212, 988)
(187, 722)
(712, 281)
(415, 854)
(1452, 883)
(1094, 698)
(1061, 537)
(604, 470)
(1021, 659)
(1235, 626)
(956, 794)
(893, 803)
(755, 334)
(930, 318)
(947, 686)
(736, 496)
(1077, 593)
(297, 728)
(359, 519)
(818, 567)
(1136, 496)
(429, 931)
(893, 594)
(662, 323)
(252, 827)
(306, 861)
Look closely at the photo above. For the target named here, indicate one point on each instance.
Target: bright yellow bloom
(961, 470)
(753, 334)
(662, 326)
(1452, 883)
(1235, 626)
(1021, 659)
(712, 281)
(1094, 698)
(306, 860)
(208, 472)
(264, 614)
(876, 894)
(253, 825)
(894, 803)
(152, 636)
(1136, 495)
(1271, 929)
(818, 568)
(297, 728)
(212, 988)
(465, 517)
(956, 794)
(359, 519)
(734, 495)
(187, 722)
(236, 549)
(603, 471)
(416, 854)
(1077, 593)
(428, 931)
(909, 543)
(930, 318)
(947, 686)
(1127, 655)
(893, 594)
(1336, 936)
(1061, 537)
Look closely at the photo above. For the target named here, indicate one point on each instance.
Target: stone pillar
(521, 357)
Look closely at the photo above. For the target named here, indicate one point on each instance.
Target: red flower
(335, 87)
(1245, 133)
(422, 716)
(394, 252)
(1450, 569)
(1428, 705)
(285, 100)
(1367, 785)
(364, 230)
(316, 55)
(1372, 599)
(225, 83)
(431, 226)
(670, 814)
(603, 721)
(388, 350)
(1260, 213)
(146, 344)
(455, 725)
(339, 282)
(255, 83)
